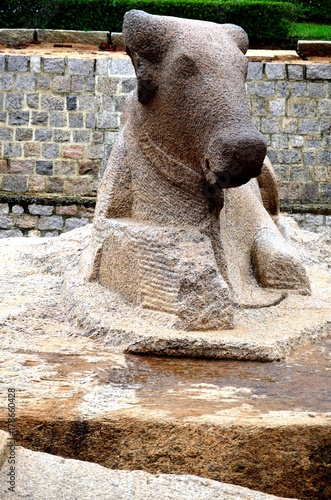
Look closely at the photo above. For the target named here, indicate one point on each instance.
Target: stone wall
(60, 116)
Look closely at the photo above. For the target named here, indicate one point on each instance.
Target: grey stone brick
(106, 103)
(39, 118)
(308, 126)
(78, 83)
(44, 167)
(107, 85)
(325, 192)
(90, 84)
(61, 84)
(4, 208)
(250, 87)
(12, 150)
(95, 152)
(324, 157)
(44, 82)
(1, 100)
(58, 119)
(14, 101)
(18, 118)
(61, 135)
(108, 120)
(53, 65)
(299, 89)
(328, 220)
(35, 64)
(129, 84)
(6, 134)
(318, 72)
(11, 233)
(81, 136)
(23, 134)
(65, 167)
(50, 234)
(6, 81)
(279, 141)
(275, 71)
(296, 141)
(255, 71)
(290, 156)
(121, 67)
(119, 101)
(313, 142)
(264, 89)
(3, 117)
(22, 167)
(80, 67)
(26, 83)
(36, 209)
(290, 125)
(277, 107)
(90, 120)
(299, 174)
(42, 134)
(50, 151)
(51, 222)
(52, 102)
(32, 101)
(55, 185)
(317, 89)
(6, 222)
(87, 103)
(110, 137)
(283, 89)
(101, 67)
(302, 107)
(15, 183)
(74, 223)
(270, 126)
(71, 102)
(98, 136)
(76, 120)
(295, 71)
(2, 62)
(324, 107)
(17, 209)
(18, 63)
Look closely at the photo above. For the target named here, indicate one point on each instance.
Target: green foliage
(317, 11)
(265, 21)
(309, 31)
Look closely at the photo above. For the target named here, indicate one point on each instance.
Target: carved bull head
(191, 93)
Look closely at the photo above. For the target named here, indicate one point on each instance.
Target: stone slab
(40, 475)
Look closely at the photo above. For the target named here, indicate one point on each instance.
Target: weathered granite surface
(39, 476)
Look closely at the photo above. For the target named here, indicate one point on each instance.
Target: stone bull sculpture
(173, 230)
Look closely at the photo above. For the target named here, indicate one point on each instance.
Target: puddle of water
(301, 383)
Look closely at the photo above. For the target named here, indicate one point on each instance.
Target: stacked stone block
(59, 118)
(291, 104)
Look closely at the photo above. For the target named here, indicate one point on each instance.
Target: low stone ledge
(12, 36)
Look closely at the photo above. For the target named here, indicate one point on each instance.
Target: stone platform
(265, 426)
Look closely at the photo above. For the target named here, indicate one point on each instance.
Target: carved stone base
(167, 269)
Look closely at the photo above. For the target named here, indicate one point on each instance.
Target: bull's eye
(185, 66)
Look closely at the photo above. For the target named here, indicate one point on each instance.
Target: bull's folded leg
(259, 258)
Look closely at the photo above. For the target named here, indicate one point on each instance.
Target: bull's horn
(238, 35)
(145, 34)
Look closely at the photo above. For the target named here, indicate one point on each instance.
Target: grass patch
(309, 31)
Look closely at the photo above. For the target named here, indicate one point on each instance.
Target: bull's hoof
(276, 266)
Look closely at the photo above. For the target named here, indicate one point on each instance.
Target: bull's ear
(238, 35)
(145, 34)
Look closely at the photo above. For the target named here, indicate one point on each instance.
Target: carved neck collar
(171, 169)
